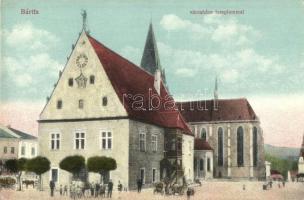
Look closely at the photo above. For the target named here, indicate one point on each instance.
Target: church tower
(302, 148)
(150, 59)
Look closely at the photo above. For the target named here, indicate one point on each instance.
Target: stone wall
(147, 159)
(230, 169)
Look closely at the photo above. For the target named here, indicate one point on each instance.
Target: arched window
(71, 82)
(255, 146)
(204, 134)
(240, 146)
(220, 136)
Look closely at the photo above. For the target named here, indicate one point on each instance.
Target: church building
(104, 105)
(233, 131)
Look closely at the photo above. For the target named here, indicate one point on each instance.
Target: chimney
(157, 81)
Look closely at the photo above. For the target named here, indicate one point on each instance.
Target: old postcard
(152, 99)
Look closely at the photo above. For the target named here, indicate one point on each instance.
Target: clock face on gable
(82, 60)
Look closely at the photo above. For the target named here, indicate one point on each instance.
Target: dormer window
(80, 104)
(71, 82)
(104, 101)
(92, 79)
(59, 104)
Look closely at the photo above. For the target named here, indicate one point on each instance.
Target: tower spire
(84, 20)
(150, 59)
(215, 93)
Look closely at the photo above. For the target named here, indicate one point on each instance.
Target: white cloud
(230, 75)
(185, 72)
(30, 66)
(26, 36)
(172, 22)
(220, 29)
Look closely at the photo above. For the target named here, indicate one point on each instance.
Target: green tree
(280, 164)
(39, 165)
(16, 166)
(101, 164)
(73, 164)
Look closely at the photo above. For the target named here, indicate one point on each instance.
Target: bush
(7, 182)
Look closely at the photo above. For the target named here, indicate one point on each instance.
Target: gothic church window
(92, 79)
(240, 146)
(204, 134)
(201, 164)
(220, 147)
(71, 82)
(59, 104)
(255, 146)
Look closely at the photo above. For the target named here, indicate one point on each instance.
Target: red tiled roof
(228, 110)
(129, 79)
(200, 144)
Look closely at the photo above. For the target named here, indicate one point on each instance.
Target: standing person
(65, 190)
(52, 187)
(139, 185)
(97, 189)
(119, 186)
(188, 193)
(92, 189)
(60, 190)
(110, 189)
(283, 183)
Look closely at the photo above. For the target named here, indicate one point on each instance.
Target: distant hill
(282, 152)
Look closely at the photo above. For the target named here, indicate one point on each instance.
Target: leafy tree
(38, 165)
(101, 164)
(16, 166)
(73, 164)
(281, 165)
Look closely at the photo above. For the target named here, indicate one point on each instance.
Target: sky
(258, 55)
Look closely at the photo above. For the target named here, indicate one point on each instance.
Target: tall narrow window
(71, 82)
(204, 134)
(80, 104)
(201, 164)
(104, 101)
(255, 146)
(12, 150)
(142, 175)
(208, 164)
(154, 142)
(79, 140)
(5, 150)
(55, 141)
(220, 146)
(106, 140)
(153, 175)
(240, 146)
(59, 104)
(92, 79)
(33, 151)
(23, 150)
(142, 141)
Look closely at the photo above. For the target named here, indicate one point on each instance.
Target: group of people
(78, 189)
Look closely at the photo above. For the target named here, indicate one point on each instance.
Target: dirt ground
(209, 190)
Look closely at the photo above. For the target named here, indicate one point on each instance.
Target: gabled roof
(200, 144)
(150, 59)
(6, 134)
(129, 79)
(228, 110)
(23, 135)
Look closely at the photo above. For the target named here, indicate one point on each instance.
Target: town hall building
(104, 105)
